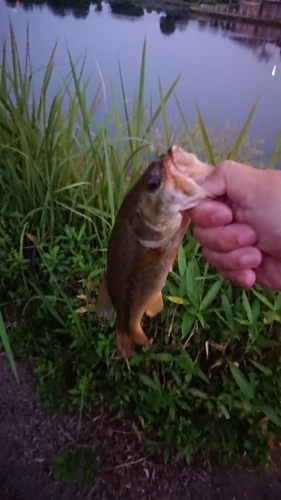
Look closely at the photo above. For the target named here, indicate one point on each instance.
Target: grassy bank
(210, 383)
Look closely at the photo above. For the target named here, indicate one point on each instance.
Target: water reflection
(218, 58)
(173, 20)
(126, 9)
(78, 8)
(249, 34)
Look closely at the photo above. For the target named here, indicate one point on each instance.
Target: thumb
(228, 179)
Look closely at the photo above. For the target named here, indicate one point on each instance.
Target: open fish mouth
(186, 171)
(181, 181)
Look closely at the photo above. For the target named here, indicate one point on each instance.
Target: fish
(144, 241)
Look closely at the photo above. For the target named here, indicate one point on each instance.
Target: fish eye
(153, 182)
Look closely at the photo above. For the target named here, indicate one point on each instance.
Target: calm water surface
(231, 66)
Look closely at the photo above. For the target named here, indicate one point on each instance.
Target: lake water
(229, 63)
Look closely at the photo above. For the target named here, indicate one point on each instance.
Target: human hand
(241, 230)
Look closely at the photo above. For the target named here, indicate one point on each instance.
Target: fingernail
(240, 280)
(246, 237)
(246, 280)
(249, 260)
(221, 218)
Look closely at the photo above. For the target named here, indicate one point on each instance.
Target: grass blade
(276, 154)
(7, 347)
(205, 137)
(242, 133)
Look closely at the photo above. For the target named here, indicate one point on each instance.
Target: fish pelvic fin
(126, 342)
(155, 305)
(104, 306)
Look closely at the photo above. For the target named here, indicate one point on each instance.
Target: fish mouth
(182, 182)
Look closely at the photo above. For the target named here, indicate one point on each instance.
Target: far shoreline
(220, 10)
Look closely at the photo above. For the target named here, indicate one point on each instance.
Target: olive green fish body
(148, 230)
(135, 278)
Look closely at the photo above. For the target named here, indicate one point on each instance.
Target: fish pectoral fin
(104, 306)
(155, 305)
(126, 342)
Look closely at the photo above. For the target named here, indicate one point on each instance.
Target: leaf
(277, 302)
(197, 393)
(138, 358)
(228, 311)
(224, 411)
(211, 294)
(276, 154)
(270, 413)
(181, 261)
(175, 300)
(96, 272)
(247, 307)
(190, 278)
(47, 302)
(205, 137)
(200, 374)
(262, 368)
(271, 316)
(241, 381)
(7, 347)
(242, 133)
(162, 356)
(256, 309)
(187, 322)
(263, 299)
(149, 382)
(184, 363)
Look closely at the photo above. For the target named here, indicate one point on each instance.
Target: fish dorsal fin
(104, 306)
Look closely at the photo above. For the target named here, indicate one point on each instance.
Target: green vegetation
(211, 381)
(77, 464)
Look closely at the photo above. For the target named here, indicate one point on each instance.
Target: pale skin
(241, 231)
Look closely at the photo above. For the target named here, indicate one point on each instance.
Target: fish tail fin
(104, 306)
(126, 342)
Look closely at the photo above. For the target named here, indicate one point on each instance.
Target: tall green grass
(65, 166)
(211, 381)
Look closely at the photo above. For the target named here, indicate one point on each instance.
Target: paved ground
(30, 440)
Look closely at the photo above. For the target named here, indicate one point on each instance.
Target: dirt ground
(31, 439)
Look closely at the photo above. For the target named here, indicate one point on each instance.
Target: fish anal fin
(104, 306)
(155, 305)
(126, 342)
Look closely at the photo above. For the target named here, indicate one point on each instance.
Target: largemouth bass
(148, 231)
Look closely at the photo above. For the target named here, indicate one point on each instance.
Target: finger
(236, 260)
(211, 213)
(245, 278)
(225, 179)
(226, 239)
(269, 273)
